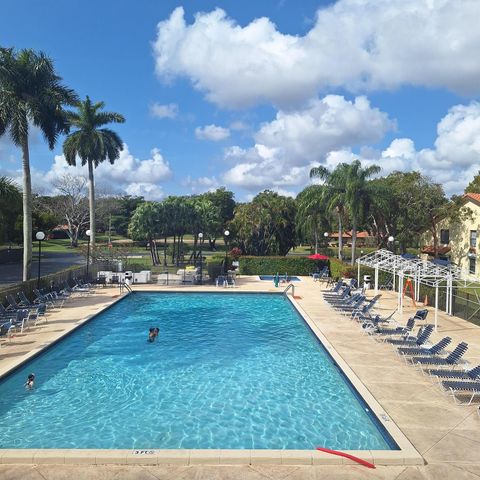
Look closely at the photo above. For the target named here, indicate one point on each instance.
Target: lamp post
(88, 232)
(39, 236)
(392, 245)
(200, 238)
(226, 233)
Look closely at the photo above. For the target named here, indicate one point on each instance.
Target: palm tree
(334, 195)
(358, 194)
(311, 213)
(31, 93)
(92, 144)
(347, 189)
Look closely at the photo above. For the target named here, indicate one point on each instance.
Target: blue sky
(253, 104)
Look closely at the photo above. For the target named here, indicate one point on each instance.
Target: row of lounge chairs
(455, 377)
(20, 313)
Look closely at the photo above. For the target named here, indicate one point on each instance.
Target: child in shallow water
(30, 381)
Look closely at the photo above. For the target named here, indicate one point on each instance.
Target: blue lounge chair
(472, 374)
(455, 387)
(423, 335)
(452, 359)
(399, 330)
(422, 351)
(365, 309)
(6, 329)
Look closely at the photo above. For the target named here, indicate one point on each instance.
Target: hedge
(272, 265)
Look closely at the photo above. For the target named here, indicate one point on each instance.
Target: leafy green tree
(31, 93)
(92, 144)
(10, 208)
(474, 185)
(266, 225)
(312, 218)
(224, 204)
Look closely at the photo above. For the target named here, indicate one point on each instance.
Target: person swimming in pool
(30, 381)
(153, 333)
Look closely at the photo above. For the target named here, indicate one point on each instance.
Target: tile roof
(473, 196)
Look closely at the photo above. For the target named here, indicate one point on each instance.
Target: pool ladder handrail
(292, 286)
(123, 285)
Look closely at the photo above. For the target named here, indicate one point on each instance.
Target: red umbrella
(317, 256)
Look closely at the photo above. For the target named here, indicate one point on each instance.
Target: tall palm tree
(92, 144)
(358, 194)
(334, 195)
(311, 216)
(31, 93)
(347, 189)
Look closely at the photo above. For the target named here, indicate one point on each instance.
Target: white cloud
(294, 141)
(127, 175)
(201, 184)
(239, 126)
(164, 111)
(356, 44)
(452, 162)
(212, 132)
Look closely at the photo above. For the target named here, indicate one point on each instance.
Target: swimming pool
(280, 277)
(231, 371)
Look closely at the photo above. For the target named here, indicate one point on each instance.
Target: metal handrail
(123, 285)
(292, 286)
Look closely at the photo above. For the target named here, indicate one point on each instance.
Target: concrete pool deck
(446, 435)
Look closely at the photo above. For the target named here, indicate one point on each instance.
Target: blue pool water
(281, 278)
(235, 371)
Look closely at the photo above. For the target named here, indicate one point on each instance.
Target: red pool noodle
(346, 455)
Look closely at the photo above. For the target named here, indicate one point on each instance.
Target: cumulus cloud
(382, 44)
(453, 161)
(201, 184)
(212, 132)
(286, 148)
(164, 111)
(127, 175)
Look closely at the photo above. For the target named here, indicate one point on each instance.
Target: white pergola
(419, 272)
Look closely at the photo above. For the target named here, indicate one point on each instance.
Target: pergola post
(376, 279)
(358, 272)
(400, 293)
(393, 279)
(436, 307)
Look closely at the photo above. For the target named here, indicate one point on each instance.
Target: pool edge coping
(406, 455)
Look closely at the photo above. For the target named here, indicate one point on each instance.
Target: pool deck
(446, 435)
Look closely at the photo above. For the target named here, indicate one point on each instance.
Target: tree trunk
(316, 239)
(340, 237)
(91, 201)
(354, 238)
(165, 252)
(27, 212)
(435, 240)
(174, 250)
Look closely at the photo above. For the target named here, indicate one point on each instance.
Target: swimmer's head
(31, 376)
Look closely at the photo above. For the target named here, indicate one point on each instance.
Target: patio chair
(456, 387)
(354, 303)
(342, 295)
(452, 359)
(35, 315)
(230, 281)
(436, 349)
(423, 335)
(398, 330)
(472, 374)
(24, 301)
(6, 329)
(365, 310)
(221, 281)
(345, 302)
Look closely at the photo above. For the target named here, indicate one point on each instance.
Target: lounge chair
(398, 330)
(221, 281)
(422, 351)
(421, 338)
(6, 329)
(452, 359)
(472, 374)
(455, 387)
(230, 281)
(365, 309)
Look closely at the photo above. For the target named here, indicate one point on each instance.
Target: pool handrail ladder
(292, 286)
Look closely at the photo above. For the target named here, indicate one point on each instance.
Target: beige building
(457, 241)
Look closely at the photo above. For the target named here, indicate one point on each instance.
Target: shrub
(215, 267)
(272, 265)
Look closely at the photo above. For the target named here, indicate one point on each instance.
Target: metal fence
(54, 280)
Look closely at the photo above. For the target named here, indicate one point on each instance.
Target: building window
(472, 264)
(473, 238)
(444, 237)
